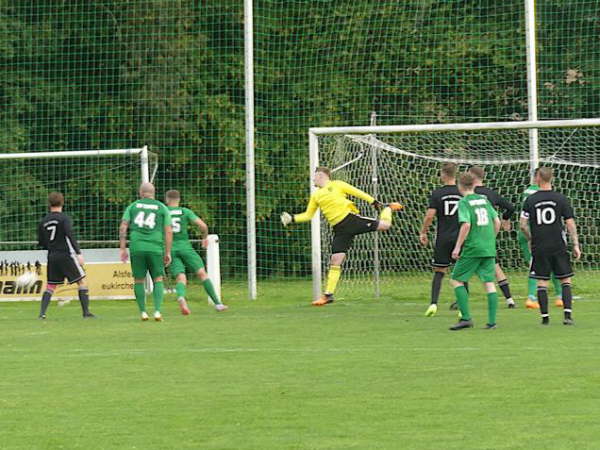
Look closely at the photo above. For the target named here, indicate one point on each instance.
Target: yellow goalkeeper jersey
(332, 200)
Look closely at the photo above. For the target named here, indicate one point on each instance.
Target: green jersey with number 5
(147, 220)
(181, 218)
(476, 210)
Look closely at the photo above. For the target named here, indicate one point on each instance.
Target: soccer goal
(401, 163)
(97, 186)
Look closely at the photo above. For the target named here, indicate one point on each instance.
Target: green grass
(362, 373)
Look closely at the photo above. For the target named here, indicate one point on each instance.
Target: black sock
(567, 298)
(436, 286)
(84, 299)
(505, 288)
(45, 302)
(466, 286)
(542, 293)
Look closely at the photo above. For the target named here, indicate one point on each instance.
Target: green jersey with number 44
(181, 218)
(147, 220)
(476, 210)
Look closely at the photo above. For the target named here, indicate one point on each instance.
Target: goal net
(403, 163)
(97, 186)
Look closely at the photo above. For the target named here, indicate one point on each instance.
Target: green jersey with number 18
(147, 220)
(477, 211)
(181, 218)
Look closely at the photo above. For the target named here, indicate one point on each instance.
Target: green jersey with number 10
(181, 218)
(476, 210)
(147, 220)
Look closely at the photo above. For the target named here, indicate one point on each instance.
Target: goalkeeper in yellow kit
(342, 215)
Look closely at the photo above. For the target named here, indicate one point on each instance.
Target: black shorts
(352, 225)
(545, 263)
(442, 254)
(64, 265)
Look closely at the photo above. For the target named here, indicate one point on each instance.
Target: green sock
(462, 298)
(140, 296)
(210, 290)
(531, 288)
(180, 289)
(158, 294)
(557, 286)
(492, 299)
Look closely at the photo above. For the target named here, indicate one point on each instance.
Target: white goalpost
(401, 163)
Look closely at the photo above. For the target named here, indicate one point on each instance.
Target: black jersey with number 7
(55, 234)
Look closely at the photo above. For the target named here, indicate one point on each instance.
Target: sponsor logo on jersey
(145, 206)
(476, 202)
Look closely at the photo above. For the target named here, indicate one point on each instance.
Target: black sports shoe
(42, 316)
(545, 320)
(568, 321)
(462, 324)
(490, 326)
(511, 304)
(454, 306)
(89, 315)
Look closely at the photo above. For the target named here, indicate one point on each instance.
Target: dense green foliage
(114, 74)
(280, 374)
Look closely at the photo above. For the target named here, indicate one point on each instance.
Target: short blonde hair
(466, 180)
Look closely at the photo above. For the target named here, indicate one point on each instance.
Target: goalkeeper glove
(377, 205)
(286, 218)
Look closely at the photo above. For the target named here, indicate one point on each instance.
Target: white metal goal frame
(316, 132)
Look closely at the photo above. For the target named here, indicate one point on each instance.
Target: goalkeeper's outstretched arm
(311, 209)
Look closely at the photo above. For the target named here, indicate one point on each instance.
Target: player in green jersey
(475, 250)
(532, 302)
(184, 255)
(150, 240)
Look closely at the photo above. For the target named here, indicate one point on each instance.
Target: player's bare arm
(123, 240)
(427, 221)
(524, 225)
(203, 231)
(497, 225)
(572, 230)
(168, 244)
(463, 232)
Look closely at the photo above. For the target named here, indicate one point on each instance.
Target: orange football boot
(323, 300)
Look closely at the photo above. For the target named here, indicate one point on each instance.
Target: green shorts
(185, 260)
(144, 262)
(466, 267)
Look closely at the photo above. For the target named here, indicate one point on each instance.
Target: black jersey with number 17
(546, 211)
(445, 202)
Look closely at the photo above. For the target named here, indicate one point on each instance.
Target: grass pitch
(362, 373)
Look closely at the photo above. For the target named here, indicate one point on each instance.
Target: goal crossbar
(74, 153)
(526, 124)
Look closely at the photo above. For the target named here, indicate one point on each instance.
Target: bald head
(147, 190)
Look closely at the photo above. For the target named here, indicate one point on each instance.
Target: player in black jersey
(507, 209)
(443, 205)
(55, 234)
(542, 224)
